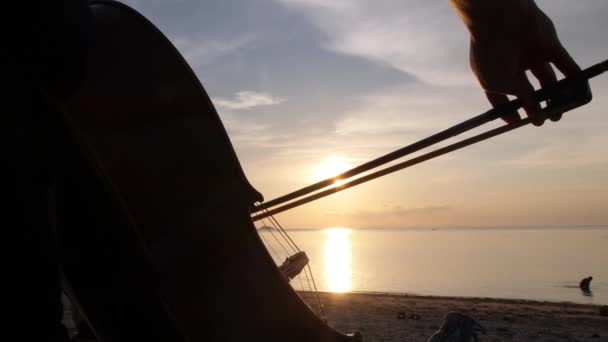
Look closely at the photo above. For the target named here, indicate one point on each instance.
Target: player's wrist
(492, 20)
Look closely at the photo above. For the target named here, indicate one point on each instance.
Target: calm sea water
(539, 264)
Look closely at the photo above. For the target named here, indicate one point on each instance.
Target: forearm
(484, 17)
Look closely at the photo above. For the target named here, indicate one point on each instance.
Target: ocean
(520, 263)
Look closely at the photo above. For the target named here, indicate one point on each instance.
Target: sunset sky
(310, 87)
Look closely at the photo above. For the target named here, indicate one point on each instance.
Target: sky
(307, 88)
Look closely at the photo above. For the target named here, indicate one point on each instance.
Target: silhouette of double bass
(153, 208)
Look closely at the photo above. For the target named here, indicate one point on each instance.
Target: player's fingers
(546, 76)
(525, 92)
(544, 73)
(497, 99)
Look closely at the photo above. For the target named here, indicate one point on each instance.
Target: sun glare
(337, 258)
(331, 167)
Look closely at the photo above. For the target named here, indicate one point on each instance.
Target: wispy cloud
(576, 152)
(394, 216)
(426, 39)
(420, 37)
(247, 100)
(402, 211)
(204, 52)
(410, 110)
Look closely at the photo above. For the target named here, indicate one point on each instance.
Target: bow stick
(567, 94)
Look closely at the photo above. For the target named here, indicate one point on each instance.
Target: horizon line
(604, 226)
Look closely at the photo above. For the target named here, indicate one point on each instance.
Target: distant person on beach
(586, 283)
(45, 58)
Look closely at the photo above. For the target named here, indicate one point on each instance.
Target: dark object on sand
(585, 284)
(457, 327)
(604, 311)
(401, 315)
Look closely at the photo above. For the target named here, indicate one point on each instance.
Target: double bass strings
(565, 95)
(315, 303)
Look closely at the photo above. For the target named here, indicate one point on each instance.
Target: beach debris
(457, 327)
(401, 315)
(357, 337)
(604, 311)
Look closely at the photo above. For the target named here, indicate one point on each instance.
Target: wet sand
(375, 316)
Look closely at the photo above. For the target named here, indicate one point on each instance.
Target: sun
(330, 167)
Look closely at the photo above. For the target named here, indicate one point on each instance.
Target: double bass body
(153, 206)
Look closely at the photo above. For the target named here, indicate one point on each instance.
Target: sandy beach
(375, 316)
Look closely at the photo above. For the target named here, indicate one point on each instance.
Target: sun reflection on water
(337, 259)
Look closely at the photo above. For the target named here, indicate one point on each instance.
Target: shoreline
(423, 296)
(375, 316)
